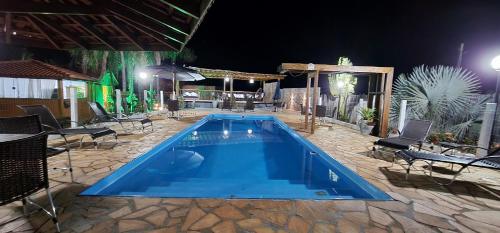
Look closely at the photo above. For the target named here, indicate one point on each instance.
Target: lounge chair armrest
(51, 127)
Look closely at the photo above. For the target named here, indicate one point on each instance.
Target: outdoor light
(340, 84)
(143, 75)
(226, 79)
(226, 132)
(195, 133)
(251, 80)
(495, 63)
(250, 131)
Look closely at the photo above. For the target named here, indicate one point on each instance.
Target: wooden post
(486, 129)
(60, 95)
(308, 87)
(315, 99)
(387, 103)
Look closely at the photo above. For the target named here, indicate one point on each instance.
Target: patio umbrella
(174, 73)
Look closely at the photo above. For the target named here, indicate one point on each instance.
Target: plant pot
(364, 128)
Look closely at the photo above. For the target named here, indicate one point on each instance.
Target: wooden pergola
(383, 86)
(149, 25)
(237, 75)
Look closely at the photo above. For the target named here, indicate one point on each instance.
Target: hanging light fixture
(226, 79)
(251, 80)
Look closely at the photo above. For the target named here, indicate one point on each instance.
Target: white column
(73, 103)
(161, 100)
(486, 128)
(145, 99)
(402, 115)
(118, 102)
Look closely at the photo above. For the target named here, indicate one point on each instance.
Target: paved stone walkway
(471, 204)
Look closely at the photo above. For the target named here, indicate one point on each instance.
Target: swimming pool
(236, 156)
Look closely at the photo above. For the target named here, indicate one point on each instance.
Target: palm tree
(97, 62)
(448, 96)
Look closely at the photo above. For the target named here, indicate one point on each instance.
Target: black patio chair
(226, 104)
(414, 133)
(249, 105)
(51, 126)
(321, 112)
(23, 172)
(173, 107)
(102, 116)
(491, 161)
(31, 125)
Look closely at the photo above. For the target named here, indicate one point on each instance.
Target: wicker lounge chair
(51, 126)
(101, 116)
(23, 172)
(31, 125)
(492, 161)
(414, 133)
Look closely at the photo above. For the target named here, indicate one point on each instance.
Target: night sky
(256, 36)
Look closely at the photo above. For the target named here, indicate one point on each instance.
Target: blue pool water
(235, 156)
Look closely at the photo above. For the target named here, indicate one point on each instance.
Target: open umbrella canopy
(174, 72)
(277, 92)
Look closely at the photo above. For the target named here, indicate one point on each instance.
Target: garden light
(143, 75)
(495, 63)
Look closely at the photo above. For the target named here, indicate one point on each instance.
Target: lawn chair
(53, 127)
(101, 116)
(31, 125)
(23, 172)
(491, 161)
(414, 133)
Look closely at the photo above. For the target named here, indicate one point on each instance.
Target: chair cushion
(396, 143)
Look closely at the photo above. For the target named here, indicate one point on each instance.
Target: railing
(216, 94)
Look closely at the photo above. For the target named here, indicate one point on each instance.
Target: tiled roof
(38, 70)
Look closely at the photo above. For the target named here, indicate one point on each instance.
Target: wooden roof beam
(148, 24)
(159, 18)
(93, 31)
(52, 7)
(335, 68)
(184, 7)
(130, 36)
(153, 34)
(65, 33)
(39, 28)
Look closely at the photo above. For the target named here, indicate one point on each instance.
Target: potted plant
(366, 123)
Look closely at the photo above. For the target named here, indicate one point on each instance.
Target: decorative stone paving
(472, 204)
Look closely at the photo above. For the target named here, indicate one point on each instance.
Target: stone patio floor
(472, 204)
